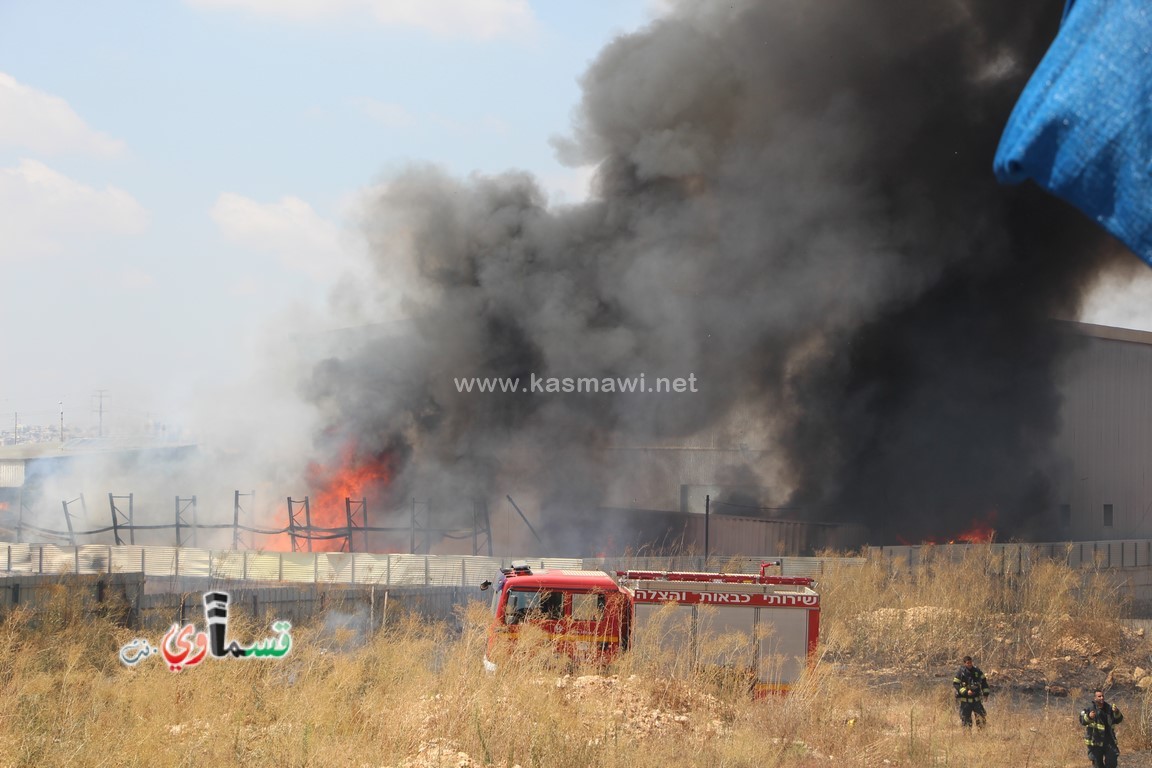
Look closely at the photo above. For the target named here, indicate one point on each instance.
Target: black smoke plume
(794, 202)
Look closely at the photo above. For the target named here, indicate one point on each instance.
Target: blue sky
(176, 177)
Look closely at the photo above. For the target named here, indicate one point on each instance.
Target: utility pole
(61, 422)
(100, 410)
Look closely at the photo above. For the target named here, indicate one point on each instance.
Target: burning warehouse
(654, 496)
(654, 499)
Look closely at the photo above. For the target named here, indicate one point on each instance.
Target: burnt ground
(1065, 682)
(1057, 668)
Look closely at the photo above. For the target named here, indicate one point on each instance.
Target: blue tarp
(1082, 128)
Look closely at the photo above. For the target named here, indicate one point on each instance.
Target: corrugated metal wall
(11, 473)
(730, 535)
(1017, 558)
(652, 478)
(316, 568)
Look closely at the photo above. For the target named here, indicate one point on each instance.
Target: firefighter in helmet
(971, 689)
(1099, 719)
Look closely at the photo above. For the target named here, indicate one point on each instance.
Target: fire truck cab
(583, 613)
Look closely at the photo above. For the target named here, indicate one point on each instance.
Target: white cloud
(486, 124)
(386, 113)
(392, 115)
(42, 123)
(479, 19)
(44, 210)
(302, 239)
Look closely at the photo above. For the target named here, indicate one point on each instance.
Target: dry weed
(415, 695)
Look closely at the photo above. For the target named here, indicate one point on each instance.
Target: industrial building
(1103, 483)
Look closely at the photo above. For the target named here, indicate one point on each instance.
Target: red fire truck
(763, 626)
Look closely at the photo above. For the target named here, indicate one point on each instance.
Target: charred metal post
(68, 517)
(348, 515)
(707, 514)
(115, 522)
(68, 522)
(481, 525)
(363, 524)
(182, 506)
(308, 521)
(525, 519)
(236, 517)
(292, 524)
(362, 503)
(120, 519)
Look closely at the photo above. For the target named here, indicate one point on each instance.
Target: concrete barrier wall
(131, 601)
(154, 587)
(1128, 563)
(242, 565)
(1128, 553)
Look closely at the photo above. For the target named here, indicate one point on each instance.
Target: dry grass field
(416, 696)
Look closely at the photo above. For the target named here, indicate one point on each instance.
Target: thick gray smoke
(794, 202)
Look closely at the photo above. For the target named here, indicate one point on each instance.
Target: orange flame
(354, 477)
(979, 531)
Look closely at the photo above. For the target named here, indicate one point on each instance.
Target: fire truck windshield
(523, 604)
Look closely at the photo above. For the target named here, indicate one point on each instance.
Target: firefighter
(1099, 719)
(971, 689)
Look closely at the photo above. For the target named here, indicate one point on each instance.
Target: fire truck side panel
(725, 636)
(664, 629)
(769, 630)
(813, 631)
(783, 648)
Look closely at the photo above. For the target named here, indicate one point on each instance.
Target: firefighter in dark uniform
(1099, 719)
(971, 689)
